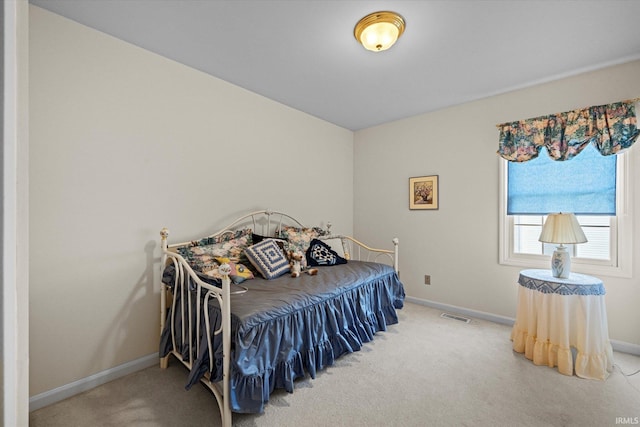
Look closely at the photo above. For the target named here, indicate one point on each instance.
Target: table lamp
(561, 228)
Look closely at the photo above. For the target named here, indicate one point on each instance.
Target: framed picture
(423, 192)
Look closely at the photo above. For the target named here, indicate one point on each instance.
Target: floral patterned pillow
(231, 235)
(201, 254)
(299, 239)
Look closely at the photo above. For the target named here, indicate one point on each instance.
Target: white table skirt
(548, 324)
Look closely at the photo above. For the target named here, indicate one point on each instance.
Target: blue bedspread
(284, 328)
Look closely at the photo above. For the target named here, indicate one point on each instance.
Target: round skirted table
(555, 315)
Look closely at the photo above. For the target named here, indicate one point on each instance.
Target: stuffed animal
(238, 273)
(295, 262)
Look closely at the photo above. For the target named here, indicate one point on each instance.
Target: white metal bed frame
(261, 223)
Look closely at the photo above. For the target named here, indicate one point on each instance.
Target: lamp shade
(562, 228)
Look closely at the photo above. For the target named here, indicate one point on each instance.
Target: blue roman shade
(584, 184)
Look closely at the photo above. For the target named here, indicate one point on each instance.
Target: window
(608, 250)
(598, 229)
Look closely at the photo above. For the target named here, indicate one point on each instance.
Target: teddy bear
(295, 263)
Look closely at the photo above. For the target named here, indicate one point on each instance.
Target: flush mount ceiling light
(379, 31)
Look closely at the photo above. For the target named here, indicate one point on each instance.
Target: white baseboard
(625, 347)
(621, 346)
(63, 392)
(464, 311)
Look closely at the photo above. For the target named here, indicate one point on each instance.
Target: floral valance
(610, 128)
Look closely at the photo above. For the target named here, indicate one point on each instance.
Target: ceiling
(303, 54)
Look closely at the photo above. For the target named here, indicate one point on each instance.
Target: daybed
(244, 338)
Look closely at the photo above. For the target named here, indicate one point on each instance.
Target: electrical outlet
(427, 279)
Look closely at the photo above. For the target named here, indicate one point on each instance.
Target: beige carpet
(424, 371)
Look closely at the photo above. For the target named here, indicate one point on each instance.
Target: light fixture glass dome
(379, 31)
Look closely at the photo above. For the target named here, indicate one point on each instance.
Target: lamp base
(561, 263)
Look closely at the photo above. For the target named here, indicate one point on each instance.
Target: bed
(243, 330)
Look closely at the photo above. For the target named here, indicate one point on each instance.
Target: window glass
(597, 229)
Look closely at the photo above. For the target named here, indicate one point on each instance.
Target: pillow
(256, 238)
(336, 244)
(201, 259)
(299, 239)
(268, 259)
(225, 237)
(201, 254)
(239, 273)
(319, 254)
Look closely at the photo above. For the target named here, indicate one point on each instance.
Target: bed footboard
(361, 252)
(356, 250)
(190, 320)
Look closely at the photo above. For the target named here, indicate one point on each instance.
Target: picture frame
(423, 192)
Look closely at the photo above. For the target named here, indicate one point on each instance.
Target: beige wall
(125, 142)
(458, 244)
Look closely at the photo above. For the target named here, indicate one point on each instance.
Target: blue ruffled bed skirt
(315, 322)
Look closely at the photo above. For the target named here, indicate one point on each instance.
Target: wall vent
(454, 317)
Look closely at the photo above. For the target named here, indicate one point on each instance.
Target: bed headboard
(264, 222)
(267, 223)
